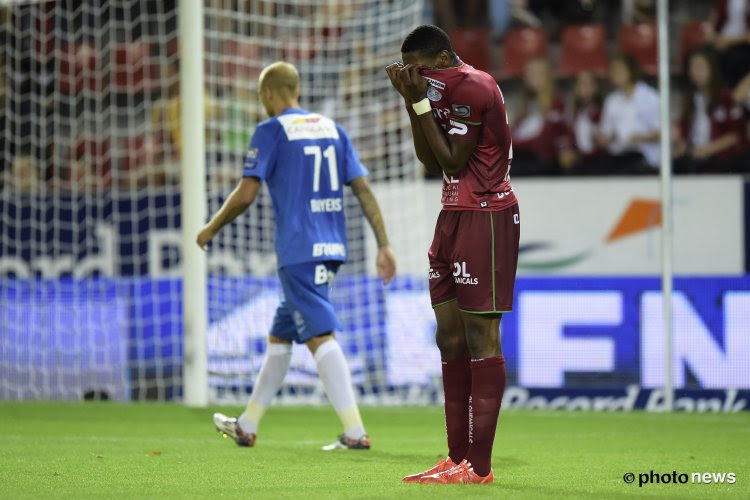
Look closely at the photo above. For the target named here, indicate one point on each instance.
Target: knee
(452, 343)
(482, 342)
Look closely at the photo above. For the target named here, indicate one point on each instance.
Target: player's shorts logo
(434, 274)
(461, 276)
(323, 276)
(433, 94)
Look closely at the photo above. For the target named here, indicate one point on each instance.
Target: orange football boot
(442, 465)
(462, 473)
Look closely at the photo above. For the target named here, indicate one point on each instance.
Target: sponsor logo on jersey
(461, 110)
(458, 128)
(306, 119)
(300, 127)
(483, 204)
(251, 159)
(326, 205)
(461, 276)
(434, 274)
(433, 94)
(435, 83)
(329, 250)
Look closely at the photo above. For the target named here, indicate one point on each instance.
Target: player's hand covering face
(408, 81)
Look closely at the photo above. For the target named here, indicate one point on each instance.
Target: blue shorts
(305, 310)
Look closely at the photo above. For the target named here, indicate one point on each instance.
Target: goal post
(193, 206)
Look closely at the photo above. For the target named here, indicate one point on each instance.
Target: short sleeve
(261, 154)
(352, 166)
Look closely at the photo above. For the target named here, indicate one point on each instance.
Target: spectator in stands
(542, 143)
(741, 92)
(712, 136)
(630, 121)
(584, 120)
(454, 14)
(730, 21)
(165, 113)
(25, 177)
(638, 11)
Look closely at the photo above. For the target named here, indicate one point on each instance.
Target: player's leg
(267, 385)
(275, 366)
(484, 275)
(337, 382)
(488, 378)
(454, 355)
(451, 341)
(309, 285)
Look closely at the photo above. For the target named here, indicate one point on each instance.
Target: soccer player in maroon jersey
(460, 127)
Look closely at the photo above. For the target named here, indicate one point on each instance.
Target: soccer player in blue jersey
(305, 159)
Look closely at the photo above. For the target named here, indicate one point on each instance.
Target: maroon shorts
(473, 259)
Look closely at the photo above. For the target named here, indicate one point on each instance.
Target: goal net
(90, 289)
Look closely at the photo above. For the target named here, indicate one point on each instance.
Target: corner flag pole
(193, 202)
(666, 198)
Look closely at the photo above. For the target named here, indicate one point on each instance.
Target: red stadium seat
(241, 59)
(134, 68)
(94, 152)
(521, 45)
(694, 35)
(78, 69)
(640, 41)
(473, 47)
(583, 49)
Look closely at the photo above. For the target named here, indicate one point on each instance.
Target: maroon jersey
(468, 104)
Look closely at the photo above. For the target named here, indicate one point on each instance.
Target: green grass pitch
(108, 450)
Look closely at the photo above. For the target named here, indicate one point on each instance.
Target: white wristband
(422, 107)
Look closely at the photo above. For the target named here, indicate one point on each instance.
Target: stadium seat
(241, 59)
(473, 47)
(639, 41)
(96, 153)
(694, 34)
(583, 49)
(133, 67)
(520, 45)
(78, 69)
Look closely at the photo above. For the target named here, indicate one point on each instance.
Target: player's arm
(238, 201)
(386, 261)
(421, 147)
(451, 153)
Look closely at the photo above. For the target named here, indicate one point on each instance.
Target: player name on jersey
(327, 205)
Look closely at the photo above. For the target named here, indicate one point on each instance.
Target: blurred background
(90, 204)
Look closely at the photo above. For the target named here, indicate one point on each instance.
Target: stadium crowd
(579, 77)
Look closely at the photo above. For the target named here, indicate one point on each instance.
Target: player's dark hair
(428, 40)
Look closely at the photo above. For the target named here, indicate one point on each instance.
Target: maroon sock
(457, 387)
(487, 387)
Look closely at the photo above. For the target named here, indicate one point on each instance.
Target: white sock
(337, 382)
(270, 378)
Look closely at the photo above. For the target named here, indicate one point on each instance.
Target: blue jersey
(305, 159)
